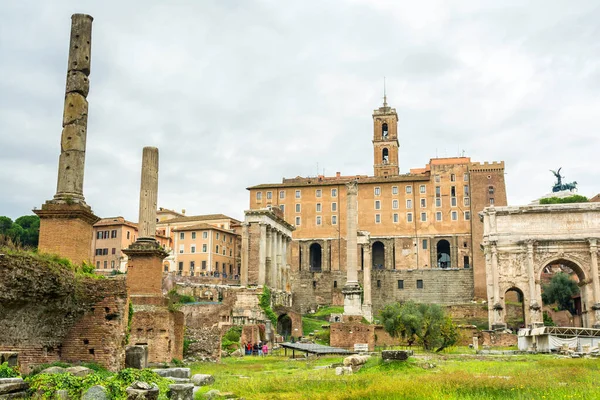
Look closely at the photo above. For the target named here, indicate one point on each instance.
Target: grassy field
(426, 376)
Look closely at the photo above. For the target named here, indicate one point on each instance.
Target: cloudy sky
(237, 93)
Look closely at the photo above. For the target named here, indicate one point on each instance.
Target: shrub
(7, 372)
(576, 198)
(231, 339)
(265, 305)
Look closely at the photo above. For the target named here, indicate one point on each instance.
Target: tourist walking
(265, 349)
(260, 349)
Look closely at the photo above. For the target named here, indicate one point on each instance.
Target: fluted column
(262, 254)
(148, 194)
(273, 270)
(351, 290)
(245, 254)
(71, 163)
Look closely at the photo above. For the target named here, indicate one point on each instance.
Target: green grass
(427, 376)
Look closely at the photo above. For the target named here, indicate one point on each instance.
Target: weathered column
(71, 163)
(66, 221)
(534, 307)
(245, 254)
(148, 194)
(351, 290)
(262, 254)
(367, 306)
(595, 281)
(498, 307)
(275, 265)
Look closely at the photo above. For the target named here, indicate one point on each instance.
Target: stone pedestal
(352, 300)
(144, 268)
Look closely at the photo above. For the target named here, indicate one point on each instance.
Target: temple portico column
(352, 290)
(245, 255)
(277, 265)
(367, 306)
(595, 281)
(262, 254)
(534, 307)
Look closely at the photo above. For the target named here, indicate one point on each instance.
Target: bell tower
(385, 140)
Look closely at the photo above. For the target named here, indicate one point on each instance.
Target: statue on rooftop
(559, 185)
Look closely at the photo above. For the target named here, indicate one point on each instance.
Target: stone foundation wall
(346, 334)
(160, 329)
(205, 344)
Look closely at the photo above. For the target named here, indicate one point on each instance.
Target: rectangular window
(423, 217)
(297, 221)
(400, 284)
(422, 189)
(217, 249)
(424, 244)
(454, 215)
(377, 191)
(333, 192)
(105, 252)
(466, 177)
(438, 201)
(258, 196)
(192, 265)
(333, 206)
(181, 249)
(114, 250)
(409, 203)
(180, 265)
(467, 201)
(319, 220)
(318, 207)
(224, 252)
(297, 194)
(98, 252)
(105, 264)
(377, 218)
(217, 266)
(395, 218)
(269, 195)
(491, 190)
(193, 235)
(438, 191)
(423, 203)
(105, 235)
(409, 189)
(97, 264)
(128, 235)
(282, 194)
(452, 191)
(453, 201)
(203, 264)
(298, 207)
(491, 201)
(377, 204)
(99, 235)
(394, 189)
(452, 178)
(204, 248)
(318, 193)
(437, 178)
(466, 261)
(419, 283)
(466, 190)
(204, 235)
(181, 235)
(395, 204)
(334, 220)
(113, 233)
(438, 216)
(192, 248)
(408, 217)
(378, 283)
(467, 215)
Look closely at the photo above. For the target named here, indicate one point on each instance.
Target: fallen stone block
(142, 391)
(179, 391)
(53, 370)
(79, 371)
(136, 357)
(12, 385)
(173, 372)
(62, 394)
(343, 371)
(396, 355)
(355, 360)
(95, 393)
(203, 379)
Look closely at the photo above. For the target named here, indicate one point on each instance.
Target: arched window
(443, 254)
(385, 156)
(384, 130)
(378, 253)
(315, 257)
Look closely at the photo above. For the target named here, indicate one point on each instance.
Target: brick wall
(144, 274)
(347, 334)
(160, 329)
(68, 237)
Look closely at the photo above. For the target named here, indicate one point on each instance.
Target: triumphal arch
(521, 243)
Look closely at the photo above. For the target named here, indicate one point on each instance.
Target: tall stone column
(245, 254)
(144, 269)
(262, 254)
(66, 221)
(367, 306)
(595, 281)
(274, 257)
(498, 307)
(534, 307)
(351, 290)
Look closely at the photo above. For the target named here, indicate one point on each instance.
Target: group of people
(256, 349)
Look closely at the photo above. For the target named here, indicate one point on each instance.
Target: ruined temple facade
(417, 231)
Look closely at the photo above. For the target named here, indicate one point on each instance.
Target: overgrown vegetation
(231, 339)
(424, 324)
(560, 290)
(576, 198)
(313, 323)
(116, 384)
(177, 298)
(7, 372)
(265, 305)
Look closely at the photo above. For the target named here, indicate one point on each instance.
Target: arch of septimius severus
(520, 242)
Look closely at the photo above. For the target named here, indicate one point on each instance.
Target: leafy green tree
(560, 291)
(425, 324)
(5, 224)
(24, 231)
